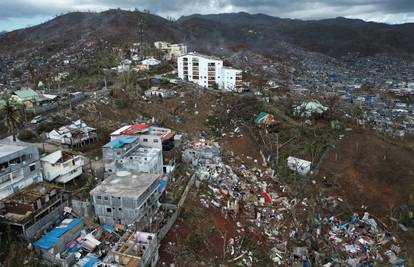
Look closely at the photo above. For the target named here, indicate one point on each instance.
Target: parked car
(36, 119)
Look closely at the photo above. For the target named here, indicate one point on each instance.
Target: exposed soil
(371, 171)
(365, 169)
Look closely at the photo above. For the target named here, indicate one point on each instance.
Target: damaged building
(62, 166)
(125, 153)
(126, 197)
(147, 135)
(135, 249)
(32, 209)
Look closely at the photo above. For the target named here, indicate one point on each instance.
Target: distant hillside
(333, 37)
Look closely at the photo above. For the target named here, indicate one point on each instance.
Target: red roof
(168, 136)
(136, 128)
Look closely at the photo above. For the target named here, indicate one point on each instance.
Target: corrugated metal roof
(26, 93)
(48, 240)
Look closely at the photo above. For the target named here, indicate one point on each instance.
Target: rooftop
(121, 141)
(125, 184)
(57, 156)
(201, 55)
(7, 149)
(26, 93)
(8, 146)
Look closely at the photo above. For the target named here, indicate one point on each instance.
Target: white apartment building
(62, 166)
(209, 72)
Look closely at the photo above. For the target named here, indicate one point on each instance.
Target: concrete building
(54, 242)
(135, 249)
(171, 51)
(126, 198)
(19, 166)
(209, 72)
(148, 136)
(125, 153)
(62, 166)
(32, 209)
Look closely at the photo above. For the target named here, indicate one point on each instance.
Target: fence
(171, 221)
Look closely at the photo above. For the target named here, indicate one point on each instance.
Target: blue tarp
(48, 240)
(162, 185)
(107, 227)
(121, 141)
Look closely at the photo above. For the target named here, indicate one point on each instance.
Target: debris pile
(296, 230)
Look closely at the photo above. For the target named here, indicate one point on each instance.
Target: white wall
(65, 171)
(224, 77)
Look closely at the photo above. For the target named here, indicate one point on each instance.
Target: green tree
(12, 116)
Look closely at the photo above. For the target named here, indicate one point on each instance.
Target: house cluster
(29, 202)
(123, 204)
(136, 64)
(209, 72)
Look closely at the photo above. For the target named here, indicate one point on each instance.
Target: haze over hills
(333, 37)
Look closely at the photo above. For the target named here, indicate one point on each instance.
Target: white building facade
(19, 167)
(208, 71)
(62, 167)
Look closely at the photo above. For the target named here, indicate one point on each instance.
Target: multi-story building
(171, 51)
(126, 197)
(147, 135)
(208, 71)
(19, 166)
(32, 209)
(62, 166)
(125, 153)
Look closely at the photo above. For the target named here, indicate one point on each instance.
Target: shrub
(28, 136)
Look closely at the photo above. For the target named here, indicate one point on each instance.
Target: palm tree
(12, 116)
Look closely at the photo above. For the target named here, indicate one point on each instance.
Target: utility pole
(277, 150)
(141, 36)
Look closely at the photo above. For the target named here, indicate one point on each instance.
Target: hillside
(333, 37)
(115, 26)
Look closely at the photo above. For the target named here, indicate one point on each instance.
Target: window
(32, 167)
(106, 198)
(99, 197)
(155, 140)
(145, 140)
(108, 210)
(120, 209)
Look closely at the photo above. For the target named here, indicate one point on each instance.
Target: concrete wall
(45, 222)
(22, 174)
(112, 209)
(83, 208)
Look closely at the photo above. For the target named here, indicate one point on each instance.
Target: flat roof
(125, 184)
(145, 152)
(7, 149)
(202, 55)
(121, 141)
